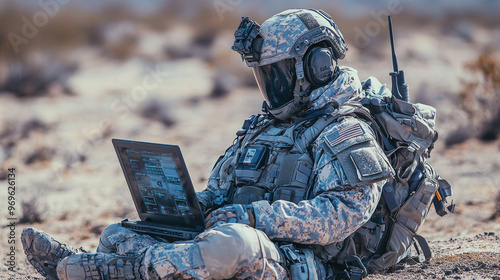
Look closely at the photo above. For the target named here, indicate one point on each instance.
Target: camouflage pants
(227, 251)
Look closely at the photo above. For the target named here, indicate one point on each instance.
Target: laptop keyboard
(170, 232)
(160, 225)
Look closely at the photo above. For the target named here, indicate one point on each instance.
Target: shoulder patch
(337, 136)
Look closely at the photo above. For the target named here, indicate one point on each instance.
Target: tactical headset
(319, 65)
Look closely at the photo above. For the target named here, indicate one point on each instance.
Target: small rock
(447, 272)
(424, 266)
(457, 277)
(467, 268)
(491, 233)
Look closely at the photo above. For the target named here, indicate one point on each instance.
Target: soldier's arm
(219, 181)
(338, 207)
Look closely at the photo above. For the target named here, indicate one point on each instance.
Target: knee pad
(228, 247)
(105, 245)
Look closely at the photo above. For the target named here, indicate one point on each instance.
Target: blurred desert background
(75, 74)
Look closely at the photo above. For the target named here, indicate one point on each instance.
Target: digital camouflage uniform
(334, 211)
(310, 173)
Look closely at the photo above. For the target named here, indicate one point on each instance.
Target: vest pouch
(292, 194)
(250, 163)
(293, 176)
(248, 194)
(362, 243)
(407, 222)
(295, 170)
(367, 238)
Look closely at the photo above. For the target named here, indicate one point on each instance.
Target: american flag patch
(338, 136)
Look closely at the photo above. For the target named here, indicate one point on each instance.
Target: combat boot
(44, 252)
(104, 266)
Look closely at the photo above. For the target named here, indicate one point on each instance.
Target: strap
(424, 246)
(364, 113)
(404, 174)
(312, 132)
(389, 197)
(419, 258)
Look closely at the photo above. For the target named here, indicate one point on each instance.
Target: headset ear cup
(319, 66)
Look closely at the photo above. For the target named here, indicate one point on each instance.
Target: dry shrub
(485, 87)
(32, 210)
(481, 96)
(35, 74)
(40, 154)
(15, 131)
(480, 99)
(223, 83)
(457, 136)
(157, 111)
(496, 213)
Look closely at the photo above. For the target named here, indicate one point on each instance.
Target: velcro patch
(338, 136)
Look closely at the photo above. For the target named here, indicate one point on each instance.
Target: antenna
(394, 58)
(399, 86)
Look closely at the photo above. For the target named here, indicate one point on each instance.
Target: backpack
(406, 132)
(408, 136)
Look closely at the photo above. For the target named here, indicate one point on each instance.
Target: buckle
(290, 256)
(355, 269)
(414, 146)
(299, 69)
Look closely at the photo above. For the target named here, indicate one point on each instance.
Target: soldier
(298, 180)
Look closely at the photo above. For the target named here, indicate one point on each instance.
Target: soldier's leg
(44, 252)
(117, 239)
(227, 251)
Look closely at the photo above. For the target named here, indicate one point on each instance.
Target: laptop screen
(159, 183)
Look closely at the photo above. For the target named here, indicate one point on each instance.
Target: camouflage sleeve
(219, 181)
(336, 210)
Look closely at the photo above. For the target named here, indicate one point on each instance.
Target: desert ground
(61, 108)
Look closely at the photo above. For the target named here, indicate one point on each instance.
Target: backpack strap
(324, 118)
(426, 250)
(330, 115)
(426, 254)
(312, 132)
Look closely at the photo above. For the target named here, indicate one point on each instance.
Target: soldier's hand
(233, 213)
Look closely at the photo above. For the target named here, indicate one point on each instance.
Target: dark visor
(276, 81)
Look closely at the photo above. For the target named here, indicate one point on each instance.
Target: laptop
(162, 190)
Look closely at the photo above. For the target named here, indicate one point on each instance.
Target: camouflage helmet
(275, 51)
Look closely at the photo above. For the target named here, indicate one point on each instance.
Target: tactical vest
(273, 161)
